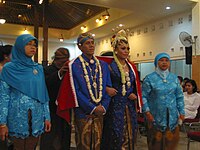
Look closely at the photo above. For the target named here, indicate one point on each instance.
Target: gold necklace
(86, 76)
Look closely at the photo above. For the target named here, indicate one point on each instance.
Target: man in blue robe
(87, 78)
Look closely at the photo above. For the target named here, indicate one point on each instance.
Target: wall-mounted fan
(186, 39)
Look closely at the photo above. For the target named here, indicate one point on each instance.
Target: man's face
(87, 47)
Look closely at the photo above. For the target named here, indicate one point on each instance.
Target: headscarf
(84, 37)
(23, 74)
(163, 73)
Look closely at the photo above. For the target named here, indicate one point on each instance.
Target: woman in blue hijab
(163, 104)
(24, 109)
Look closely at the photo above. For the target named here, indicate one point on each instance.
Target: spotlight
(61, 39)
(83, 27)
(2, 21)
(98, 20)
(107, 15)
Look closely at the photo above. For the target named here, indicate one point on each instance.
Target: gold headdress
(121, 35)
(116, 39)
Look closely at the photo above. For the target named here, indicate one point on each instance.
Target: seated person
(192, 99)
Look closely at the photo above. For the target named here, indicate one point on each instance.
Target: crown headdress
(121, 35)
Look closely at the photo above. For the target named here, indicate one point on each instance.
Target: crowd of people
(103, 94)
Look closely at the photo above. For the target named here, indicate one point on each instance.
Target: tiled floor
(142, 143)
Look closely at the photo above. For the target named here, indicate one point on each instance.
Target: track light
(107, 15)
(83, 27)
(98, 20)
(61, 39)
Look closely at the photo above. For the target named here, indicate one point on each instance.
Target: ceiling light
(107, 15)
(121, 25)
(83, 27)
(98, 20)
(3, 2)
(29, 6)
(93, 35)
(19, 16)
(40, 1)
(61, 39)
(2, 21)
(25, 31)
(168, 8)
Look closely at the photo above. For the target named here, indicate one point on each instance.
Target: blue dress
(14, 106)
(164, 99)
(114, 123)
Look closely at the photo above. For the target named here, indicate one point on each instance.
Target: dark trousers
(59, 138)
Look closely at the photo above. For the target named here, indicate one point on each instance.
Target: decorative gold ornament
(35, 71)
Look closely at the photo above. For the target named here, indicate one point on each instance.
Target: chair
(193, 136)
(192, 124)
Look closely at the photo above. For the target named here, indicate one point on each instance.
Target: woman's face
(164, 63)
(30, 48)
(122, 50)
(189, 88)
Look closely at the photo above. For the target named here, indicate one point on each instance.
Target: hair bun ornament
(121, 35)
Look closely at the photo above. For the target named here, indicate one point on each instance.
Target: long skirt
(88, 133)
(158, 140)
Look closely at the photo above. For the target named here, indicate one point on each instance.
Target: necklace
(96, 98)
(123, 77)
(124, 66)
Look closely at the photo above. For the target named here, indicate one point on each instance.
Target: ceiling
(140, 11)
(57, 16)
(70, 14)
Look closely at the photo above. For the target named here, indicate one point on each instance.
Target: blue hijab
(163, 73)
(23, 74)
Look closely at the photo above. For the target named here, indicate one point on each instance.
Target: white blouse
(192, 103)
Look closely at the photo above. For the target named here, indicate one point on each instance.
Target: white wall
(145, 42)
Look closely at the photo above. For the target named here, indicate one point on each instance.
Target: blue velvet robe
(86, 105)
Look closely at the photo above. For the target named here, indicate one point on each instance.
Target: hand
(3, 132)
(149, 116)
(132, 96)
(111, 91)
(99, 110)
(47, 126)
(64, 68)
(182, 117)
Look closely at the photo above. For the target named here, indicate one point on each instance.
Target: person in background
(192, 99)
(163, 105)
(87, 78)
(5, 55)
(24, 99)
(120, 123)
(59, 137)
(183, 85)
